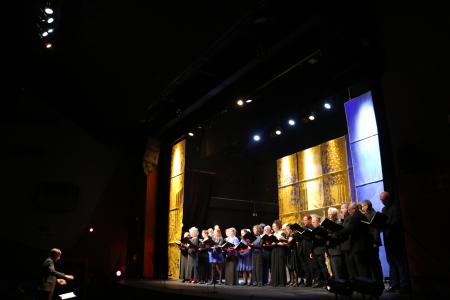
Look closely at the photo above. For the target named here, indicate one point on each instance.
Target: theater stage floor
(144, 289)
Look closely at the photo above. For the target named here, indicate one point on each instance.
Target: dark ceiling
(141, 67)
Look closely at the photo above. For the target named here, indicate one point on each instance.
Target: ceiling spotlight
(191, 134)
(327, 105)
(48, 11)
(291, 122)
(91, 229)
(45, 33)
(240, 102)
(118, 273)
(248, 101)
(50, 20)
(311, 118)
(48, 45)
(277, 132)
(256, 138)
(50, 30)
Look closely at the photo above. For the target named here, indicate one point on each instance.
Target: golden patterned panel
(309, 163)
(178, 159)
(336, 188)
(290, 218)
(176, 202)
(334, 156)
(176, 192)
(287, 170)
(312, 191)
(289, 199)
(174, 262)
(175, 219)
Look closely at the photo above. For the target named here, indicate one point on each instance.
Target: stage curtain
(176, 201)
(197, 195)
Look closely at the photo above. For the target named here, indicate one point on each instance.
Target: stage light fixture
(45, 33)
(327, 105)
(277, 132)
(91, 230)
(311, 118)
(48, 11)
(291, 122)
(191, 134)
(256, 138)
(118, 273)
(48, 45)
(50, 30)
(248, 101)
(240, 102)
(50, 20)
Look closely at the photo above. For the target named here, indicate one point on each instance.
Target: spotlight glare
(191, 134)
(91, 229)
(278, 132)
(45, 33)
(50, 30)
(50, 20)
(256, 138)
(327, 105)
(48, 45)
(240, 102)
(291, 122)
(118, 273)
(48, 11)
(311, 117)
(248, 101)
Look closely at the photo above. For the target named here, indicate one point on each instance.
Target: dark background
(75, 119)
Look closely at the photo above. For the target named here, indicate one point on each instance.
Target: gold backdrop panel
(336, 188)
(175, 219)
(290, 218)
(334, 156)
(289, 199)
(176, 192)
(176, 202)
(309, 163)
(174, 262)
(312, 191)
(287, 170)
(323, 180)
(178, 158)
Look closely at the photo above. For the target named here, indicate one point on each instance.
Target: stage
(151, 289)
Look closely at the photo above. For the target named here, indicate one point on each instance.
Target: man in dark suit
(375, 240)
(394, 245)
(50, 276)
(357, 233)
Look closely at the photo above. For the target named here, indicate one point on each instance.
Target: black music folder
(331, 226)
(209, 243)
(378, 220)
(296, 227)
(249, 236)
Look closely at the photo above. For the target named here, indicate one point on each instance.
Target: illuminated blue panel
(364, 153)
(366, 161)
(361, 120)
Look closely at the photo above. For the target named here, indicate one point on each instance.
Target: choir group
(344, 245)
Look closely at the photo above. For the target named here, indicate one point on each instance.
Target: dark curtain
(197, 187)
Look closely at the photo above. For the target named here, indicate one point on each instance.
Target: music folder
(331, 226)
(377, 220)
(249, 236)
(296, 227)
(209, 242)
